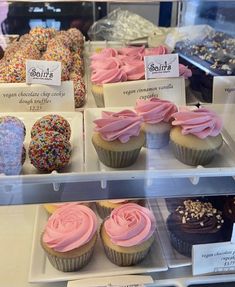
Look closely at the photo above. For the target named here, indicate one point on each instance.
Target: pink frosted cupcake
(128, 234)
(157, 114)
(195, 137)
(69, 237)
(117, 138)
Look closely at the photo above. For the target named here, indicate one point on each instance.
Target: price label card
(161, 66)
(213, 258)
(36, 98)
(43, 72)
(126, 93)
(224, 90)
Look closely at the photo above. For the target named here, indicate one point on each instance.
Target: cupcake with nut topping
(194, 222)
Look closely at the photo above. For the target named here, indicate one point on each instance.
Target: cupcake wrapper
(70, 264)
(99, 99)
(124, 259)
(156, 141)
(117, 159)
(192, 157)
(181, 246)
(103, 211)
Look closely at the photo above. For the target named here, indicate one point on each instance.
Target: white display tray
(29, 173)
(174, 259)
(156, 163)
(42, 271)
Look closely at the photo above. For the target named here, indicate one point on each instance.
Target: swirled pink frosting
(109, 63)
(115, 75)
(130, 225)
(70, 227)
(131, 51)
(155, 110)
(118, 126)
(184, 71)
(104, 54)
(200, 122)
(160, 50)
(134, 70)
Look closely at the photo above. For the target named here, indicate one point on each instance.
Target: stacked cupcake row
(71, 232)
(194, 134)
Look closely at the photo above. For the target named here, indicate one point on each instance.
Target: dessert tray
(155, 163)
(42, 271)
(174, 259)
(29, 173)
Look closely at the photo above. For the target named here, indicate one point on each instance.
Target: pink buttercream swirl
(104, 54)
(184, 71)
(70, 227)
(118, 126)
(115, 75)
(155, 110)
(200, 122)
(130, 225)
(109, 63)
(134, 70)
(131, 51)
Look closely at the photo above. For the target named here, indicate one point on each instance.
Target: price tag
(43, 72)
(126, 93)
(213, 258)
(36, 98)
(233, 234)
(161, 66)
(224, 90)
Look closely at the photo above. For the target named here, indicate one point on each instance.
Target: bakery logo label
(161, 66)
(43, 72)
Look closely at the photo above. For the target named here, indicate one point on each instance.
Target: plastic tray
(159, 163)
(29, 173)
(42, 271)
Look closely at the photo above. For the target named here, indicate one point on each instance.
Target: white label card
(126, 93)
(43, 72)
(224, 90)
(36, 98)
(213, 258)
(161, 66)
(233, 234)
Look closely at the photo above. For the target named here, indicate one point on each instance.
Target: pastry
(128, 234)
(49, 151)
(52, 207)
(117, 138)
(194, 222)
(69, 237)
(195, 137)
(156, 114)
(52, 122)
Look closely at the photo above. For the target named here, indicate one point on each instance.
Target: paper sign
(233, 234)
(126, 93)
(213, 258)
(161, 66)
(43, 72)
(224, 90)
(36, 98)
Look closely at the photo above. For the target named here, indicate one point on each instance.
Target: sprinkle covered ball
(52, 122)
(49, 151)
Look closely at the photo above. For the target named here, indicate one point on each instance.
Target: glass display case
(120, 187)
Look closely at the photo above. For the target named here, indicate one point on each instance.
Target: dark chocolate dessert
(229, 217)
(194, 222)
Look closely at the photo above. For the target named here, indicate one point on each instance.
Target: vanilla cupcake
(128, 234)
(195, 137)
(157, 115)
(117, 138)
(69, 237)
